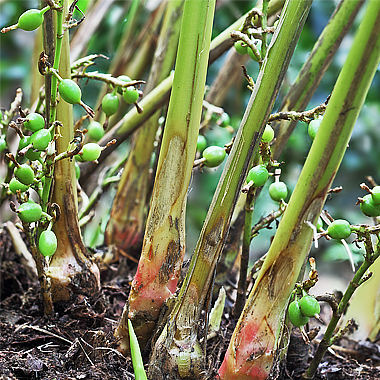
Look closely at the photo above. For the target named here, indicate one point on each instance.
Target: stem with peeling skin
(179, 334)
(259, 328)
(125, 228)
(70, 258)
(164, 241)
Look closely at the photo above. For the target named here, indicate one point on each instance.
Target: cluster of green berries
(370, 204)
(242, 48)
(300, 311)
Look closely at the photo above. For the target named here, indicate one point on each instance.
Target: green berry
(339, 229)
(29, 212)
(313, 127)
(296, 316)
(214, 156)
(34, 122)
(15, 185)
(40, 139)
(25, 174)
(259, 175)
(90, 152)
(95, 131)
(201, 143)
(47, 243)
(319, 224)
(369, 207)
(375, 193)
(252, 54)
(110, 104)
(241, 47)
(309, 306)
(278, 191)
(130, 95)
(268, 134)
(31, 19)
(70, 91)
(224, 120)
(123, 78)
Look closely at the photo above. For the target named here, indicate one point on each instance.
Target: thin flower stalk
(179, 336)
(164, 241)
(256, 340)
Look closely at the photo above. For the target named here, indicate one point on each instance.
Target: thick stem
(258, 331)
(180, 333)
(164, 241)
(70, 261)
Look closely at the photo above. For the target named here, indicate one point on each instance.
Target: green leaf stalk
(179, 335)
(125, 229)
(254, 344)
(164, 241)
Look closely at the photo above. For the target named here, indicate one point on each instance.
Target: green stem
(328, 336)
(264, 313)
(244, 259)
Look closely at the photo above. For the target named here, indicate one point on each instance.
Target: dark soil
(78, 342)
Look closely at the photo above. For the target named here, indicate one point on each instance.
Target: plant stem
(244, 259)
(164, 241)
(307, 81)
(260, 324)
(180, 333)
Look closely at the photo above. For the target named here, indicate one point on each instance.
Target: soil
(77, 342)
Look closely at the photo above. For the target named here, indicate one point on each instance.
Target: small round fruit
(375, 193)
(339, 229)
(252, 54)
(29, 212)
(295, 315)
(47, 243)
(268, 134)
(40, 139)
(214, 156)
(319, 224)
(369, 207)
(95, 131)
(259, 175)
(15, 185)
(123, 78)
(241, 47)
(130, 95)
(278, 191)
(90, 152)
(34, 122)
(110, 104)
(201, 143)
(224, 120)
(309, 306)
(70, 91)
(31, 19)
(313, 127)
(25, 174)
